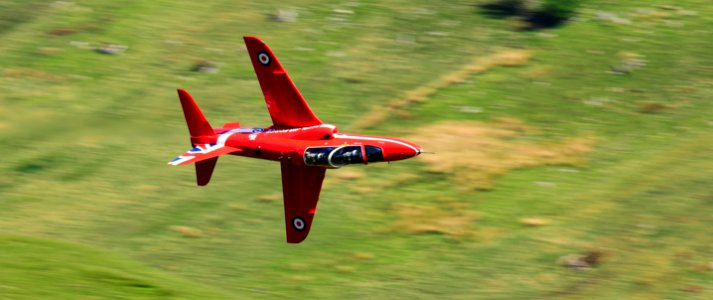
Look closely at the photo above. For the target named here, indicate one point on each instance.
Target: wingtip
(180, 160)
(249, 38)
(297, 240)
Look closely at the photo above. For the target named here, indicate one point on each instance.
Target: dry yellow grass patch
(238, 206)
(363, 256)
(538, 72)
(625, 55)
(270, 197)
(296, 266)
(487, 234)
(534, 222)
(363, 188)
(301, 278)
(415, 219)
(348, 174)
(336, 177)
(188, 232)
(652, 15)
(147, 187)
(506, 58)
(476, 152)
(371, 186)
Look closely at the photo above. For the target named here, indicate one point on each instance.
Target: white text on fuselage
(270, 130)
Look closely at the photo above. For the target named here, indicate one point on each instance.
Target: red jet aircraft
(304, 146)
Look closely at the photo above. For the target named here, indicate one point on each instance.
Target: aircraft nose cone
(401, 150)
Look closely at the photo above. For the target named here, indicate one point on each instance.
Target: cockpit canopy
(335, 157)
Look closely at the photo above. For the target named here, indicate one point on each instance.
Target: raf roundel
(298, 223)
(263, 58)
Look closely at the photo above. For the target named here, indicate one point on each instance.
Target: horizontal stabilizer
(202, 152)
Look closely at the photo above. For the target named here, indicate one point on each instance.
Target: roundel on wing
(263, 58)
(298, 223)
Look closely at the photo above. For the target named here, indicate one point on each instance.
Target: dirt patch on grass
(505, 58)
(474, 152)
(652, 107)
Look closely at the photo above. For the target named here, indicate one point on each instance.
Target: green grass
(85, 137)
(34, 268)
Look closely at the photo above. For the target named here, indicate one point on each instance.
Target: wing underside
(301, 186)
(286, 105)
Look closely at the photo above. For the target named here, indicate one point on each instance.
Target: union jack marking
(205, 149)
(198, 150)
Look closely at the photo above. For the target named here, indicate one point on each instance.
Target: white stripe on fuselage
(371, 138)
(224, 136)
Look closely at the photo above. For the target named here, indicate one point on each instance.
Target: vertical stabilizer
(197, 124)
(204, 170)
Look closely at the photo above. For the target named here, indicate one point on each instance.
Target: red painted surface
(304, 146)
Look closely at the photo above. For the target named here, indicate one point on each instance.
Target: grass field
(590, 143)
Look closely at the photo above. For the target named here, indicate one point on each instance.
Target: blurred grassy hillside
(573, 162)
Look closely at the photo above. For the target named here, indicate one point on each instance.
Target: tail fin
(205, 158)
(197, 124)
(204, 170)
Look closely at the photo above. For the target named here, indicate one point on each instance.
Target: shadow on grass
(543, 20)
(533, 18)
(503, 9)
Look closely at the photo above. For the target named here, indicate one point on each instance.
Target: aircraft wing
(300, 189)
(286, 105)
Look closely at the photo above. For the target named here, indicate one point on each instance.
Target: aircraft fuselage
(320, 145)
